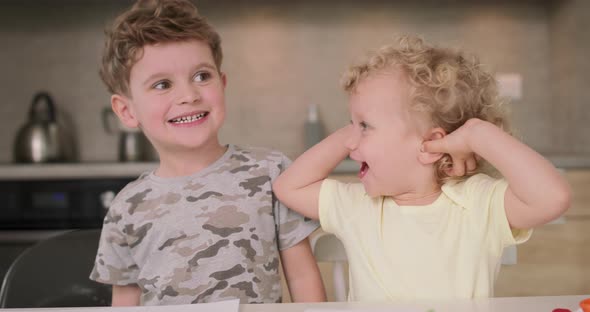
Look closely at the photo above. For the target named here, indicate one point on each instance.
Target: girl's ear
(427, 158)
(122, 107)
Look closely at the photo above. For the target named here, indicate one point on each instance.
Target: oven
(56, 203)
(41, 197)
(38, 201)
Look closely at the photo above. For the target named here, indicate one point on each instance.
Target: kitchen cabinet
(556, 260)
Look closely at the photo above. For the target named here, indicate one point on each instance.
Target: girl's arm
(537, 193)
(298, 187)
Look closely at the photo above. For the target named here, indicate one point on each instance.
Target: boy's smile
(189, 119)
(176, 98)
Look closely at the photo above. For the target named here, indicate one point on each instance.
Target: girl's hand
(456, 145)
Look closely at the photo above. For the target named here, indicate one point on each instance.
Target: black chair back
(55, 273)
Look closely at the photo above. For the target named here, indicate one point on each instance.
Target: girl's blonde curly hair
(449, 86)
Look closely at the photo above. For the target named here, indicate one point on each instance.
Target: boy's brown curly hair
(148, 23)
(448, 85)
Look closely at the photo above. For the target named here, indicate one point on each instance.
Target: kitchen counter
(569, 161)
(560, 161)
(101, 170)
(74, 170)
(134, 169)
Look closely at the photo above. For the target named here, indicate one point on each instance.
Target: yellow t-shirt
(449, 249)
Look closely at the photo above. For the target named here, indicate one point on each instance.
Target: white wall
(281, 56)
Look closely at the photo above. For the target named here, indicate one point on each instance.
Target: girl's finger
(459, 167)
(471, 163)
(434, 146)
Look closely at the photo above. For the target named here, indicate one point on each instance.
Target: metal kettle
(42, 139)
(133, 144)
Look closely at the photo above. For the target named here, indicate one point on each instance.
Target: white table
(514, 304)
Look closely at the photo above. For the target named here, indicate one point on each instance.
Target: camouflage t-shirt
(206, 237)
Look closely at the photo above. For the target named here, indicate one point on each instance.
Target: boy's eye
(161, 85)
(202, 76)
(363, 125)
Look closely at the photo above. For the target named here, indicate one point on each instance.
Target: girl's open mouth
(363, 170)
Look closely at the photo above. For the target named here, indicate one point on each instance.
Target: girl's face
(386, 139)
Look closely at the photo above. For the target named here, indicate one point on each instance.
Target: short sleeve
(292, 227)
(510, 236)
(114, 264)
(338, 203)
(487, 192)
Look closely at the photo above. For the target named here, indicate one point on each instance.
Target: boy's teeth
(191, 118)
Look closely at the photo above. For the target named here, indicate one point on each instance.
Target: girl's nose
(353, 140)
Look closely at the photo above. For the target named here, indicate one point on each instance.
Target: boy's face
(176, 96)
(385, 139)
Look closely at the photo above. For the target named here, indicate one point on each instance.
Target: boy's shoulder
(132, 191)
(263, 157)
(259, 153)
(243, 162)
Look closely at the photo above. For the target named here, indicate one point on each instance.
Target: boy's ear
(122, 107)
(427, 158)
(223, 79)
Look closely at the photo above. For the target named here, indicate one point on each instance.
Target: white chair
(509, 255)
(328, 248)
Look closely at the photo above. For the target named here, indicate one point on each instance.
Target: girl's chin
(369, 190)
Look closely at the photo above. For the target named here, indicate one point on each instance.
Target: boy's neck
(185, 163)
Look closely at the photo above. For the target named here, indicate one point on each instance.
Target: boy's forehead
(163, 56)
(192, 50)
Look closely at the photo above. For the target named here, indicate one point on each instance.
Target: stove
(61, 196)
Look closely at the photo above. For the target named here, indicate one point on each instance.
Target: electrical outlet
(509, 85)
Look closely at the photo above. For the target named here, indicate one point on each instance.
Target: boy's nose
(189, 94)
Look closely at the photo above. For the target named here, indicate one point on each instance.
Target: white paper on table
(402, 309)
(221, 306)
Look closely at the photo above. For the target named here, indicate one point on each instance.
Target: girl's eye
(162, 85)
(202, 76)
(363, 125)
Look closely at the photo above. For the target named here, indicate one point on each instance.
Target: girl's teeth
(187, 119)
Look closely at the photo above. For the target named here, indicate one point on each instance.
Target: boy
(424, 223)
(204, 226)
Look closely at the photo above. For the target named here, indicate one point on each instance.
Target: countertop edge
(134, 169)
